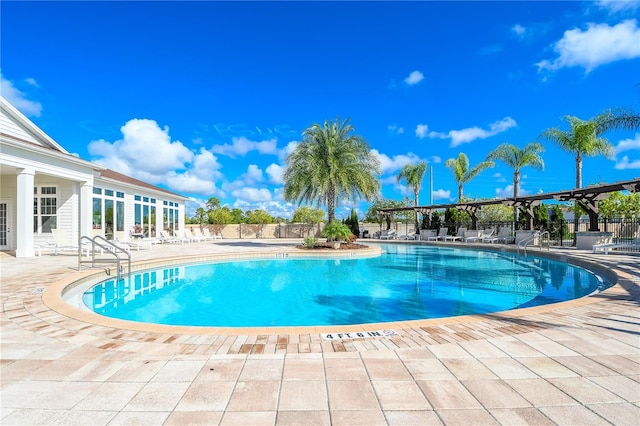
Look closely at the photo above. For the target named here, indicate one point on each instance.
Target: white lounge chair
(472, 236)
(166, 238)
(197, 233)
(505, 236)
(459, 235)
(488, 237)
(182, 235)
(127, 243)
(633, 245)
(388, 235)
(62, 242)
(196, 236)
(427, 234)
(207, 233)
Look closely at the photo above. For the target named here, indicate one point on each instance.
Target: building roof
(119, 177)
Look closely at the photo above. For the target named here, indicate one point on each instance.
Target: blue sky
(207, 98)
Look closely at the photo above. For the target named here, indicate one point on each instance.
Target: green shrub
(310, 242)
(335, 231)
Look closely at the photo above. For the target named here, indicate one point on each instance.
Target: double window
(108, 211)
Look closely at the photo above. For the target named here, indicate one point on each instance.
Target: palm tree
(461, 172)
(517, 158)
(413, 174)
(331, 164)
(583, 138)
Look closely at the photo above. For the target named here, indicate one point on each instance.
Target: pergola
(587, 198)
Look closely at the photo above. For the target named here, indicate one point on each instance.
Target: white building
(42, 187)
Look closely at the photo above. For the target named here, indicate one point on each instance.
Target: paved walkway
(574, 363)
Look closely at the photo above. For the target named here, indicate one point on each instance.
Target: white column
(24, 213)
(86, 209)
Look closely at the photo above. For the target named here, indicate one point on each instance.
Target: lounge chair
(125, 242)
(505, 236)
(488, 237)
(472, 236)
(633, 245)
(166, 238)
(197, 233)
(62, 242)
(207, 233)
(196, 236)
(181, 234)
(459, 235)
(388, 235)
(427, 234)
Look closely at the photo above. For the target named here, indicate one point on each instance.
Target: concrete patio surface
(574, 363)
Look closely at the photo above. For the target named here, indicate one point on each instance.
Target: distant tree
(582, 139)
(495, 213)
(221, 216)
(352, 223)
(258, 217)
(373, 216)
(461, 172)
(331, 164)
(308, 216)
(618, 119)
(201, 216)
(453, 215)
(413, 175)
(237, 215)
(620, 205)
(213, 203)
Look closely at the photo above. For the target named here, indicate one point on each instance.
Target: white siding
(13, 129)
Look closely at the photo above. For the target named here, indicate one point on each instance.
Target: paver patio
(572, 363)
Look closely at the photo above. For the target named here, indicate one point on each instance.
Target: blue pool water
(406, 282)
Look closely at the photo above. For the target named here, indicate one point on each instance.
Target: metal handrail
(106, 246)
(539, 235)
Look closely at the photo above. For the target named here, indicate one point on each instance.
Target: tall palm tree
(461, 172)
(517, 158)
(413, 174)
(331, 164)
(583, 138)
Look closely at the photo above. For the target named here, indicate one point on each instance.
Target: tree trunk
(415, 193)
(516, 189)
(331, 204)
(578, 171)
(459, 193)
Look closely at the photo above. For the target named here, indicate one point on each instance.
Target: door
(5, 225)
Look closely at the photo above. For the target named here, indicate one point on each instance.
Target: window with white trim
(45, 209)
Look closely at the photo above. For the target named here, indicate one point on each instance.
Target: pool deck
(572, 363)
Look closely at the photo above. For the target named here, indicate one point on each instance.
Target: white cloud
(31, 82)
(414, 78)
(241, 146)
(251, 195)
(421, 130)
(142, 139)
(435, 159)
(441, 194)
(599, 44)
(253, 174)
(625, 164)
(499, 177)
(391, 164)
(181, 169)
(507, 192)
(18, 99)
(395, 129)
(518, 30)
(275, 171)
(284, 152)
(459, 137)
(615, 6)
(628, 145)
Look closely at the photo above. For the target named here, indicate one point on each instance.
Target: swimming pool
(406, 282)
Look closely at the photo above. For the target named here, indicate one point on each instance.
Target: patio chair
(125, 242)
(442, 233)
(472, 236)
(388, 235)
(197, 233)
(62, 242)
(505, 236)
(458, 237)
(207, 233)
(166, 238)
(181, 234)
(196, 236)
(488, 237)
(427, 234)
